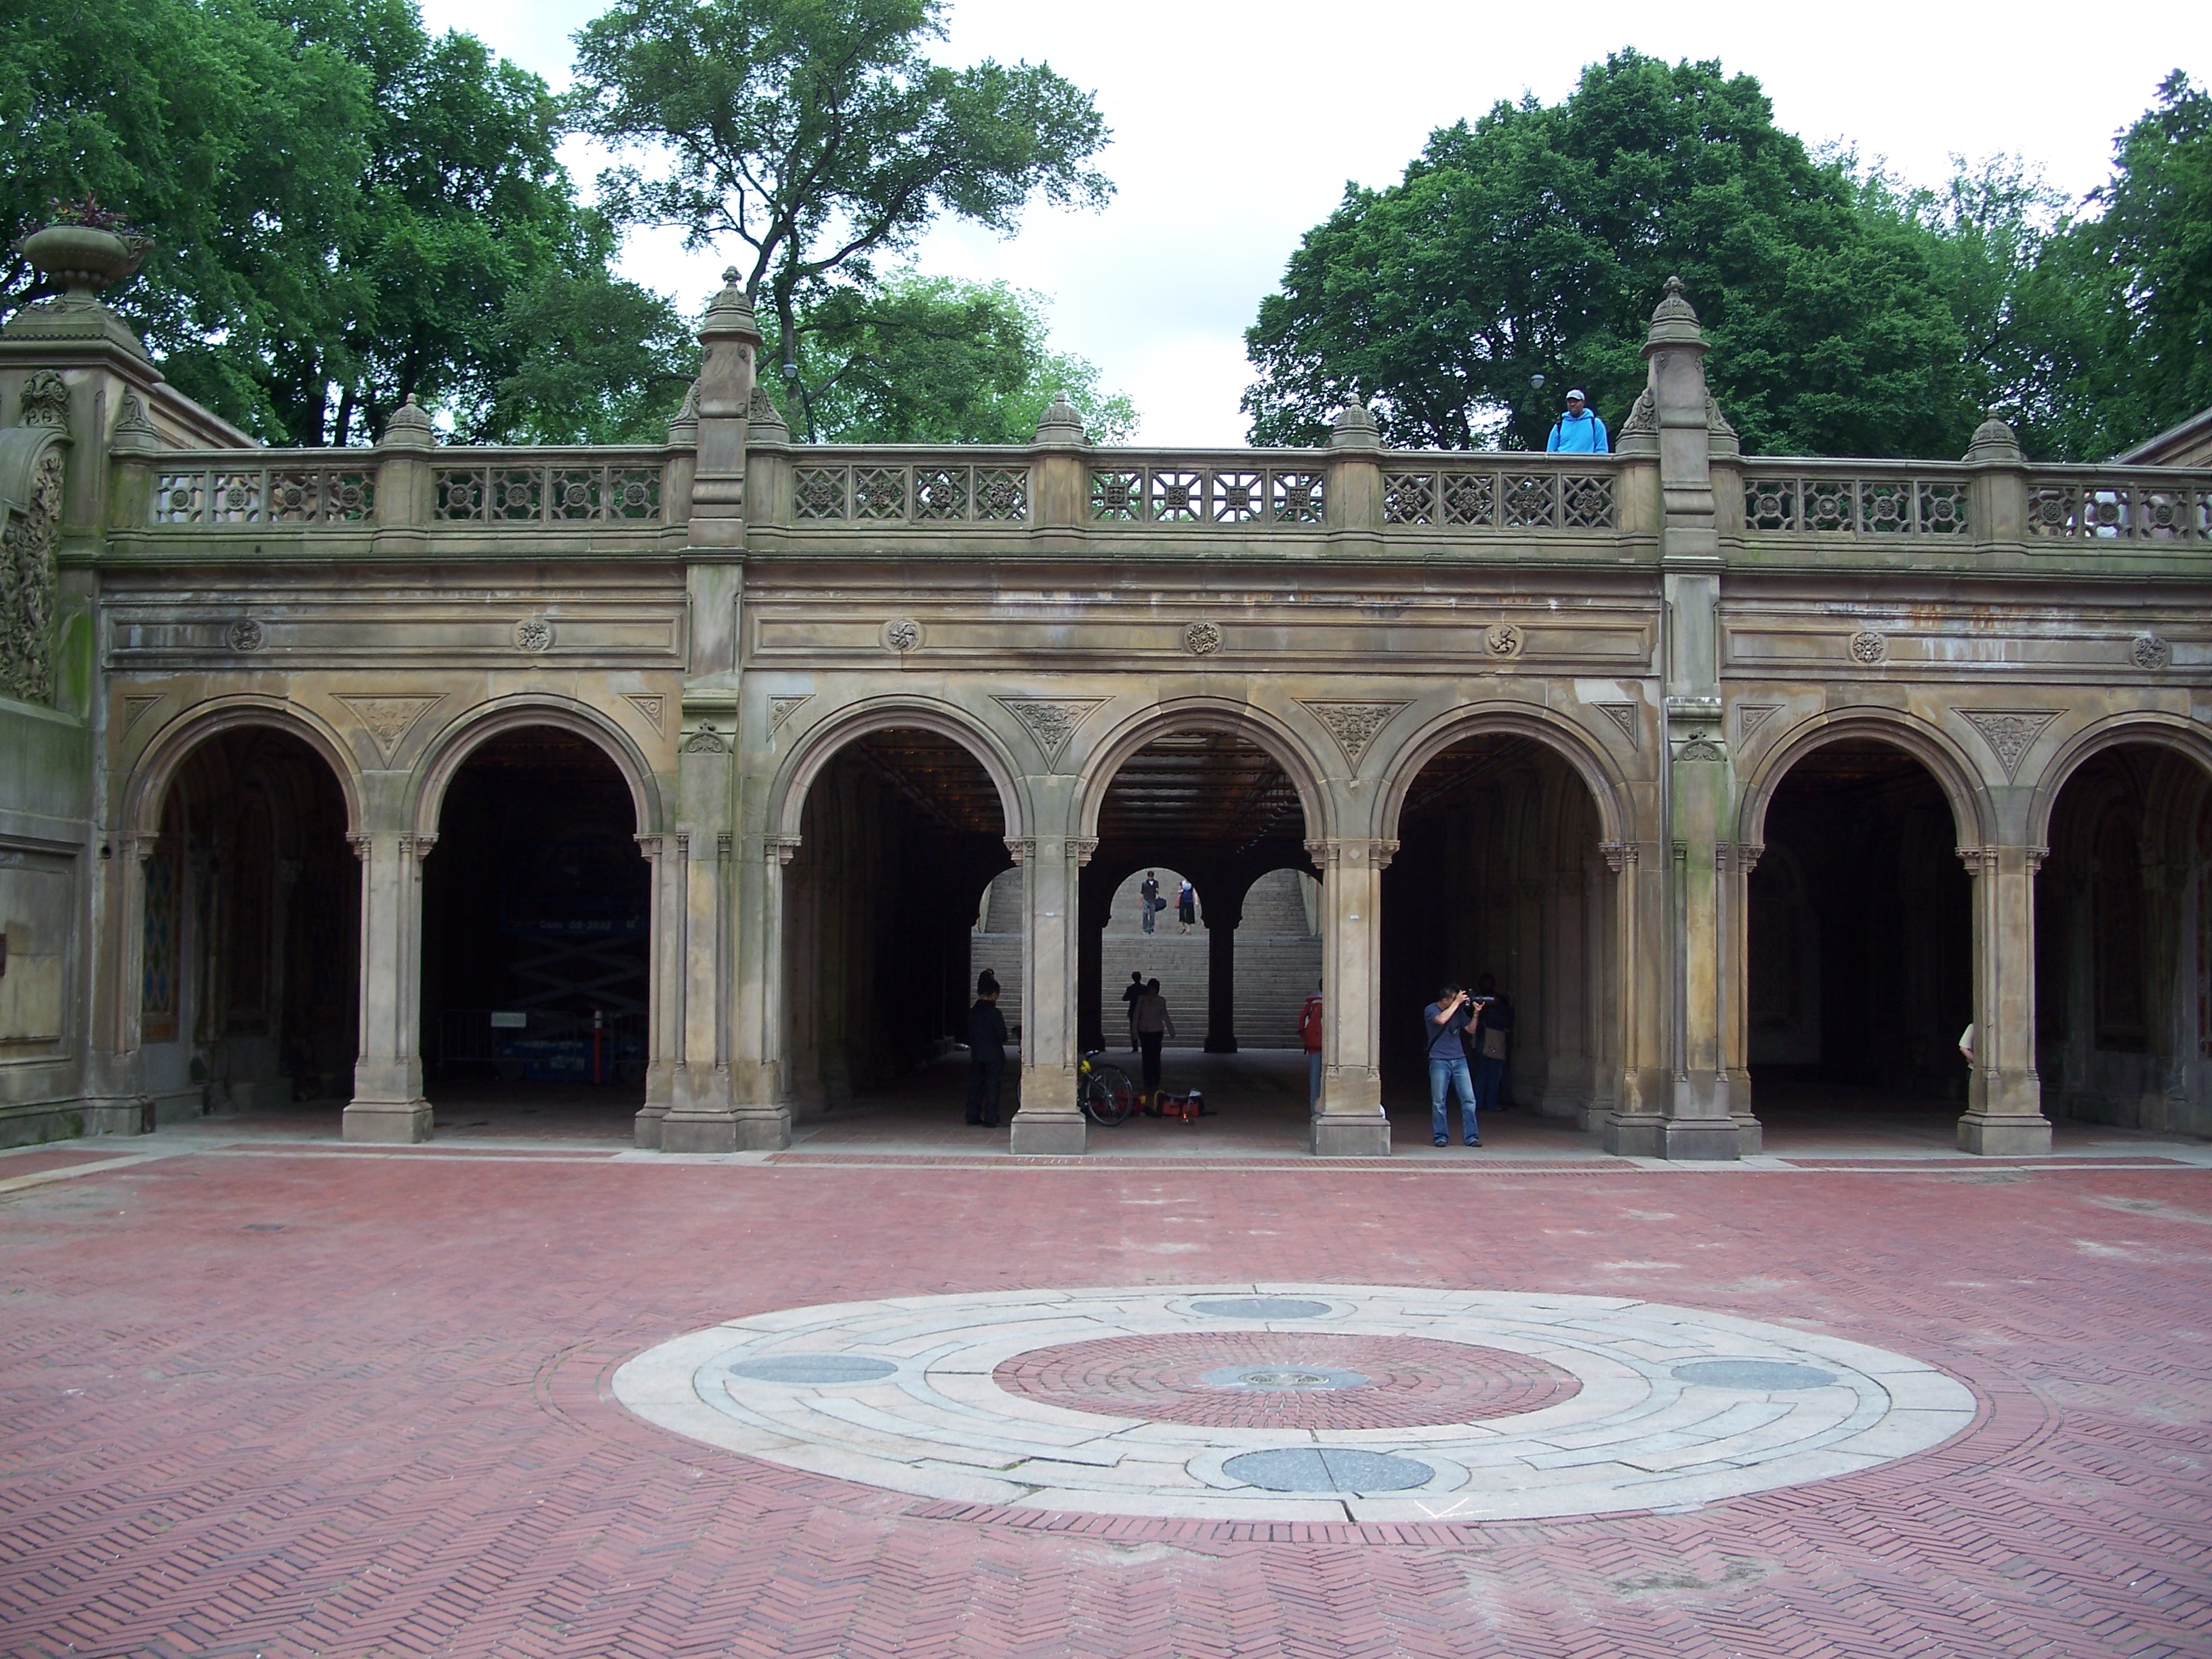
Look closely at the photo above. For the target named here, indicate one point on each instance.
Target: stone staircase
(1278, 960)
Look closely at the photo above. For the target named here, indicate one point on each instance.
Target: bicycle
(1107, 1094)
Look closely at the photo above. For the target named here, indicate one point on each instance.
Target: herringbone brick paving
(386, 1428)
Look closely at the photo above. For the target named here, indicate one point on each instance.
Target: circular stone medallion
(1433, 1406)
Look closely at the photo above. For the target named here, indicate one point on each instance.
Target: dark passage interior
(1218, 808)
(535, 927)
(1498, 872)
(1861, 943)
(250, 982)
(900, 836)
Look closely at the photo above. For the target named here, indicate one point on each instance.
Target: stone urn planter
(83, 258)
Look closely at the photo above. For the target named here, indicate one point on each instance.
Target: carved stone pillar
(1222, 921)
(116, 1099)
(1735, 865)
(1642, 955)
(388, 1105)
(2004, 1096)
(1700, 1123)
(1350, 1121)
(1600, 994)
(1566, 975)
(1050, 1120)
(663, 985)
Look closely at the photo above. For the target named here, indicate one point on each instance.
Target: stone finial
(1354, 427)
(729, 314)
(764, 421)
(409, 428)
(1994, 442)
(1675, 321)
(684, 425)
(1060, 426)
(135, 433)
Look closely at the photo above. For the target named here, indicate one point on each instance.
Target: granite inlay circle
(1201, 1403)
(1219, 1378)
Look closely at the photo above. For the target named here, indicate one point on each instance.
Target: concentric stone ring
(1452, 1405)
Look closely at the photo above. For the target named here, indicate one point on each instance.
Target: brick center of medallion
(1284, 1380)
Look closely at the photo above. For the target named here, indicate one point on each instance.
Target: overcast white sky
(1236, 124)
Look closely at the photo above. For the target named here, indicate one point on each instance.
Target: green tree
(817, 135)
(917, 359)
(1537, 240)
(213, 126)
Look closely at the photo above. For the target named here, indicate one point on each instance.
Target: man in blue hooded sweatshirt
(1578, 432)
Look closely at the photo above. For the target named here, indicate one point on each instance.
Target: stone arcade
(1722, 762)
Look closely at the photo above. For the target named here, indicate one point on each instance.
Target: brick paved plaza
(268, 1394)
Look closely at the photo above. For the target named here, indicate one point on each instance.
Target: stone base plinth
(387, 1122)
(1055, 1134)
(645, 1128)
(699, 1132)
(1349, 1136)
(1699, 1140)
(762, 1131)
(1750, 1135)
(1990, 1136)
(125, 1117)
(1634, 1134)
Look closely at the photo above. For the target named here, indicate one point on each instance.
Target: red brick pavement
(1410, 1379)
(385, 1428)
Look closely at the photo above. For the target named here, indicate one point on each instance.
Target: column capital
(1335, 850)
(1618, 854)
(781, 848)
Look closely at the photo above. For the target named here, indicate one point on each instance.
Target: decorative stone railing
(1794, 497)
(1508, 493)
(490, 487)
(2096, 504)
(1253, 491)
(877, 487)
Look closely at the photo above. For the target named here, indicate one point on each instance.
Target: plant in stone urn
(82, 248)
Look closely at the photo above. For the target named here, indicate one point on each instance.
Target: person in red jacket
(1310, 1034)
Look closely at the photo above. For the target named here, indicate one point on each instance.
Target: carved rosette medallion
(1867, 648)
(902, 634)
(248, 636)
(2009, 732)
(1504, 641)
(1052, 721)
(2151, 652)
(1201, 638)
(1354, 725)
(533, 634)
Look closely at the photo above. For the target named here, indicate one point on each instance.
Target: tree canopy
(817, 136)
(920, 359)
(346, 212)
(1848, 314)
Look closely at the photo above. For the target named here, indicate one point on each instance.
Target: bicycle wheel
(1119, 1090)
(1106, 1104)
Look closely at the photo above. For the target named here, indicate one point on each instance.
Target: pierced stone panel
(1585, 504)
(2102, 510)
(1409, 497)
(818, 492)
(1779, 504)
(1470, 498)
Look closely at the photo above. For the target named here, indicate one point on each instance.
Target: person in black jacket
(987, 1052)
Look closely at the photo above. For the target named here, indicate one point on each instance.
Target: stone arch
(817, 747)
(156, 766)
(1973, 816)
(2175, 733)
(1203, 713)
(1590, 762)
(472, 729)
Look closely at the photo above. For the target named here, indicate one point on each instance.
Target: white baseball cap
(1576, 396)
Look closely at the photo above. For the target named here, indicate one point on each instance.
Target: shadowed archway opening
(1498, 872)
(1216, 809)
(1859, 949)
(2124, 944)
(886, 923)
(250, 972)
(537, 927)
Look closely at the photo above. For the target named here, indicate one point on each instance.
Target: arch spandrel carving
(2165, 729)
(168, 745)
(1584, 750)
(1958, 773)
(468, 729)
(813, 748)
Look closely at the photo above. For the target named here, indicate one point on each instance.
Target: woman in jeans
(1153, 1024)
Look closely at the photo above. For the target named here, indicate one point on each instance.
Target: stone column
(1350, 1122)
(1095, 899)
(1566, 1056)
(1601, 995)
(1222, 921)
(1050, 1120)
(388, 1104)
(1735, 864)
(664, 992)
(2004, 1096)
(1641, 956)
(116, 1099)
